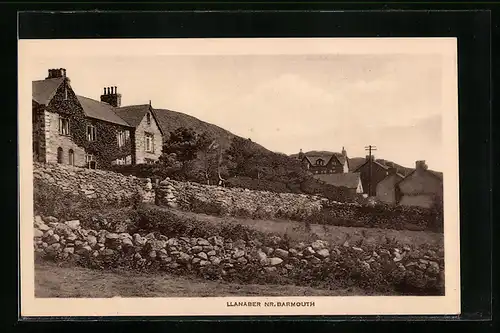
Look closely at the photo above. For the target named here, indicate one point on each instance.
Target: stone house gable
(326, 163)
(67, 130)
(386, 188)
(55, 105)
(420, 188)
(148, 136)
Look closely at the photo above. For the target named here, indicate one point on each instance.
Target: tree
(184, 142)
(239, 154)
(208, 157)
(183, 147)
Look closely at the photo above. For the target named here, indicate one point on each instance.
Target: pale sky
(283, 102)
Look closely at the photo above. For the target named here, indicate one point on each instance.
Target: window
(91, 132)
(63, 126)
(121, 161)
(149, 143)
(89, 159)
(149, 161)
(123, 137)
(71, 157)
(59, 155)
(65, 93)
(148, 118)
(319, 162)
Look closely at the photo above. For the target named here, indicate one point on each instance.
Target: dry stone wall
(315, 263)
(235, 201)
(94, 184)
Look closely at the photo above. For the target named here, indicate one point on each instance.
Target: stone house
(350, 180)
(325, 163)
(372, 172)
(80, 131)
(147, 134)
(386, 188)
(422, 187)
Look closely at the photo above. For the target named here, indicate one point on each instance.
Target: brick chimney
(420, 165)
(111, 96)
(55, 73)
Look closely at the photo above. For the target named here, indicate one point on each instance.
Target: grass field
(75, 282)
(355, 236)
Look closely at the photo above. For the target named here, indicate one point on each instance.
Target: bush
(257, 184)
(173, 223)
(50, 200)
(379, 216)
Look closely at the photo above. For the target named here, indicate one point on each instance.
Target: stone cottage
(422, 187)
(325, 163)
(147, 134)
(386, 188)
(80, 131)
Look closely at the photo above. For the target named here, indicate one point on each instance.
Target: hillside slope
(171, 120)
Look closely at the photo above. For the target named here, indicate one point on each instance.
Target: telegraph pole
(370, 148)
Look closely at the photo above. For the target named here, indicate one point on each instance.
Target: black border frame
(472, 28)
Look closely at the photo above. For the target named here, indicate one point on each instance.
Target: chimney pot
(104, 91)
(420, 165)
(116, 90)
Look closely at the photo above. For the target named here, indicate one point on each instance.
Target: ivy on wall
(105, 148)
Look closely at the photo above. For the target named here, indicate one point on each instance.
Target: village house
(325, 163)
(350, 180)
(386, 188)
(422, 187)
(80, 131)
(372, 172)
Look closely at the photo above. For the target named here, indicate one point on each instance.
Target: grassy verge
(52, 281)
(298, 231)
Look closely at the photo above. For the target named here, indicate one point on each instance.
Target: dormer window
(320, 162)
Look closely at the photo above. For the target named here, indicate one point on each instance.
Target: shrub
(173, 223)
(52, 200)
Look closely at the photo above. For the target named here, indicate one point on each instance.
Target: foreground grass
(356, 236)
(52, 281)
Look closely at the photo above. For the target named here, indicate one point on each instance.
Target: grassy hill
(171, 120)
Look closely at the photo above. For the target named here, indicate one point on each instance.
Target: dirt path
(71, 282)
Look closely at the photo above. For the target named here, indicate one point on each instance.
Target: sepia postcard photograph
(223, 177)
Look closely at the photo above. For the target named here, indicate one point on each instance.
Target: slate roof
(326, 157)
(44, 90)
(385, 167)
(133, 114)
(349, 180)
(100, 110)
(438, 175)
